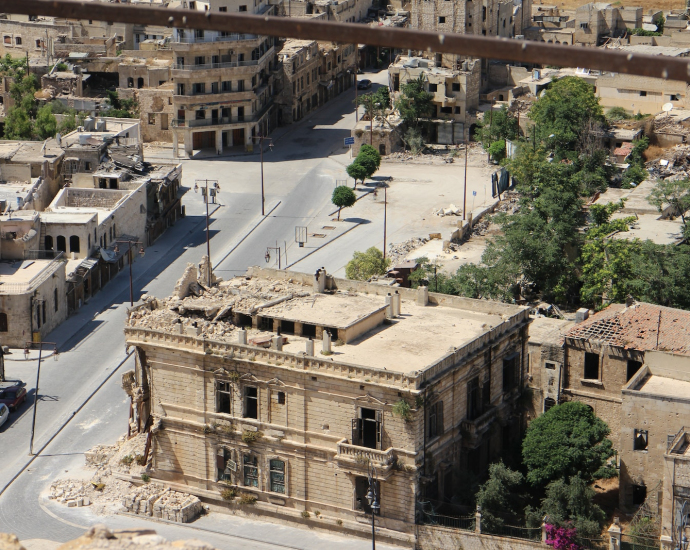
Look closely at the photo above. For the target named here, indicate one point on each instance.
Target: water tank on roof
(89, 124)
(83, 138)
(465, 65)
(100, 125)
(423, 63)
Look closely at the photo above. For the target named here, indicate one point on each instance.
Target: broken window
(510, 372)
(361, 490)
(436, 419)
(308, 331)
(473, 410)
(281, 398)
(550, 366)
(639, 494)
(366, 430)
(641, 440)
(591, 366)
(287, 327)
(277, 476)
(548, 403)
(251, 402)
(433, 87)
(224, 395)
(225, 465)
(633, 367)
(251, 471)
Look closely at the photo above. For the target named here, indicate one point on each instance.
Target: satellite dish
(667, 107)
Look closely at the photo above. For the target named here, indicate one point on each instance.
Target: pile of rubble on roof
(674, 164)
(208, 309)
(398, 251)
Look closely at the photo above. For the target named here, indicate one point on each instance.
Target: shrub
(305, 514)
(145, 478)
(365, 265)
(127, 460)
(250, 437)
(247, 498)
(343, 197)
(141, 460)
(402, 409)
(228, 494)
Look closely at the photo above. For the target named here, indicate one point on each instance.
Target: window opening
(641, 440)
(277, 476)
(591, 366)
(251, 402)
(224, 397)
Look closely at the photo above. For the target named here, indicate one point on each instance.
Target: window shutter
(379, 423)
(439, 418)
(220, 459)
(355, 430)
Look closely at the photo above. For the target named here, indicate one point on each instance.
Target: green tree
(45, 125)
(10, 66)
(673, 193)
(567, 441)
(356, 171)
(497, 125)
(498, 497)
(369, 158)
(569, 503)
(18, 124)
(365, 265)
(497, 150)
(22, 92)
(121, 108)
(561, 116)
(343, 197)
(414, 102)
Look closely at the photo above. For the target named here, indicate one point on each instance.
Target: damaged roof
(641, 326)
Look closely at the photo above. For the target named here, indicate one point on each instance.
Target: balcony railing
(207, 66)
(476, 427)
(208, 37)
(363, 455)
(197, 123)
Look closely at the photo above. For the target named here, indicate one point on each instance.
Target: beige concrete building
(455, 93)
(338, 62)
(327, 377)
(224, 84)
(656, 405)
(301, 65)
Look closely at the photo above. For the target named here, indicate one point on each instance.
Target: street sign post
(349, 142)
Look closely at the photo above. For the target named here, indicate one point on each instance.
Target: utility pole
(261, 146)
(38, 377)
(385, 221)
(208, 236)
(464, 188)
(356, 104)
(129, 258)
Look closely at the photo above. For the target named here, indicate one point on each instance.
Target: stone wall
(156, 108)
(433, 537)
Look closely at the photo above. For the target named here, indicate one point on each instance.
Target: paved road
(80, 401)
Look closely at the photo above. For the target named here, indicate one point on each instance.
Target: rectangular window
(281, 398)
(199, 60)
(641, 440)
(441, 20)
(180, 89)
(251, 471)
(227, 86)
(223, 8)
(436, 419)
(643, 94)
(591, 366)
(243, 8)
(251, 402)
(433, 87)
(550, 366)
(224, 397)
(18, 40)
(225, 465)
(214, 87)
(633, 367)
(200, 114)
(152, 118)
(510, 372)
(199, 87)
(456, 86)
(473, 399)
(277, 476)
(8, 40)
(240, 85)
(366, 430)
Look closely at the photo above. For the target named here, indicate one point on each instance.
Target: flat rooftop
(21, 271)
(666, 387)
(420, 337)
(651, 227)
(548, 330)
(69, 217)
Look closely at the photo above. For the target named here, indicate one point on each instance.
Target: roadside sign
(474, 193)
(349, 141)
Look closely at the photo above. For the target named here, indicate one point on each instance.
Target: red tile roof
(641, 326)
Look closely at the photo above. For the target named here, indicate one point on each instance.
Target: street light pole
(373, 500)
(261, 146)
(464, 187)
(129, 257)
(38, 377)
(356, 104)
(385, 220)
(215, 189)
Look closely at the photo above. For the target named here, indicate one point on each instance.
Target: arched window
(130, 82)
(74, 244)
(49, 242)
(3, 322)
(548, 403)
(140, 82)
(61, 244)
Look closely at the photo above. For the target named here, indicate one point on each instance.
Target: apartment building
(289, 386)
(300, 80)
(223, 84)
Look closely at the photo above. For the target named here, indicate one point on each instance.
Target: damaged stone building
(289, 386)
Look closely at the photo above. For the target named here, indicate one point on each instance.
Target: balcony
(357, 459)
(208, 37)
(221, 121)
(209, 66)
(473, 430)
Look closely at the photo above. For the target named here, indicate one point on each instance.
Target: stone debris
(211, 312)
(109, 494)
(101, 538)
(398, 251)
(451, 210)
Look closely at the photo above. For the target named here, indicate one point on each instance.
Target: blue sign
(474, 193)
(349, 141)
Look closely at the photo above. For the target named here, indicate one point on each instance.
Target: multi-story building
(223, 96)
(243, 389)
(337, 72)
(455, 93)
(299, 95)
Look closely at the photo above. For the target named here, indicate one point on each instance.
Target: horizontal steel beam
(674, 68)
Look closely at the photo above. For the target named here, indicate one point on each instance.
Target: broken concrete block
(71, 503)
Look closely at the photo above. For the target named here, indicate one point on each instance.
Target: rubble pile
(480, 228)
(108, 494)
(675, 164)
(208, 312)
(509, 204)
(398, 251)
(451, 210)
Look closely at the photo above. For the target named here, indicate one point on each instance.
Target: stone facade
(301, 64)
(676, 488)
(298, 431)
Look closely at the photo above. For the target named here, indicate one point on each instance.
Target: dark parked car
(364, 84)
(12, 394)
